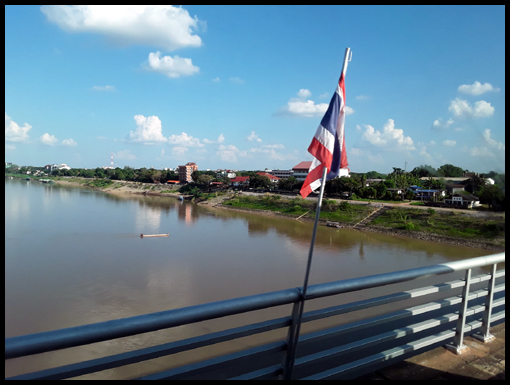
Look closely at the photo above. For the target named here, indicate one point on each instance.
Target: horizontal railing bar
(389, 354)
(385, 318)
(102, 331)
(383, 337)
(86, 334)
(113, 361)
(216, 363)
(261, 374)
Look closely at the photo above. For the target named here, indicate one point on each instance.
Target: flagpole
(293, 344)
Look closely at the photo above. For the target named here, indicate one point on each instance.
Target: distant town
(447, 185)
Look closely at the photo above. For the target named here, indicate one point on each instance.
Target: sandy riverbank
(125, 187)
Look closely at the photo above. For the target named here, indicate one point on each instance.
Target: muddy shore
(124, 187)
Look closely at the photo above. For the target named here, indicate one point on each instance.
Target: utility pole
(405, 166)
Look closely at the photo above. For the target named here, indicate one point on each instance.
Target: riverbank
(125, 187)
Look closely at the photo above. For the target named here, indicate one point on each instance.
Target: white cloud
(253, 137)
(449, 143)
(390, 137)
(463, 109)
(304, 93)
(237, 80)
(362, 97)
(440, 125)
(221, 138)
(492, 148)
(162, 26)
(173, 67)
(216, 80)
(15, 133)
(69, 142)
(124, 155)
(148, 130)
(103, 88)
(307, 108)
(477, 88)
(184, 140)
(273, 146)
(230, 153)
(10, 147)
(491, 142)
(179, 151)
(48, 139)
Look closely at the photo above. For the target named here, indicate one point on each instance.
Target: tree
(204, 179)
(449, 170)
(259, 181)
(424, 171)
(475, 183)
(491, 195)
(381, 189)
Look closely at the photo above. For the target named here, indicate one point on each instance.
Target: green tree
(491, 195)
(475, 183)
(449, 170)
(424, 171)
(259, 181)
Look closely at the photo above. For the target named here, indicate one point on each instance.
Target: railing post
(484, 334)
(458, 346)
(288, 359)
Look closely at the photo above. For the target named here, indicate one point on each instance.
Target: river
(74, 256)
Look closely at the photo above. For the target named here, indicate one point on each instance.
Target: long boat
(154, 235)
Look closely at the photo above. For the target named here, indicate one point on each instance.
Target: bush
(431, 211)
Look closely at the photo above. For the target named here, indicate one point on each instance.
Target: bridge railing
(342, 351)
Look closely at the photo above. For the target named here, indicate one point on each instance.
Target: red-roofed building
(301, 170)
(240, 181)
(273, 179)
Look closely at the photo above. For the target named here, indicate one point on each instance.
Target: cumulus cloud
(439, 124)
(173, 67)
(15, 133)
(492, 147)
(229, 153)
(162, 26)
(179, 151)
(184, 140)
(463, 109)
(69, 142)
(103, 88)
(148, 130)
(362, 97)
(48, 139)
(221, 138)
(390, 137)
(301, 106)
(449, 143)
(477, 88)
(253, 137)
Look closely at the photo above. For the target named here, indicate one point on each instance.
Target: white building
(282, 174)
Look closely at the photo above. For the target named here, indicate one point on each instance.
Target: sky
(245, 87)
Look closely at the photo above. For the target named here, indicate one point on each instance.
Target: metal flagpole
(291, 354)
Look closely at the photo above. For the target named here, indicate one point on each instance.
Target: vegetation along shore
(480, 229)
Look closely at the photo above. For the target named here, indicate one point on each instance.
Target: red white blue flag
(328, 143)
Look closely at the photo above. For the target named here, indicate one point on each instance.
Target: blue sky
(245, 87)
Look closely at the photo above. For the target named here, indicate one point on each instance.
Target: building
(185, 172)
(273, 179)
(283, 174)
(225, 173)
(301, 171)
(240, 181)
(463, 200)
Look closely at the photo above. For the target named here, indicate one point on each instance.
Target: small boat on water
(153, 235)
(181, 198)
(334, 224)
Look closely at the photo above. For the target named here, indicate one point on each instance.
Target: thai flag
(328, 144)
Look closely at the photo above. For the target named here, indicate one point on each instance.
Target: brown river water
(74, 256)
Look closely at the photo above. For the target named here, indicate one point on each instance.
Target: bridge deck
(480, 362)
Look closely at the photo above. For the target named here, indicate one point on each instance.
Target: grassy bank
(331, 209)
(406, 220)
(450, 223)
